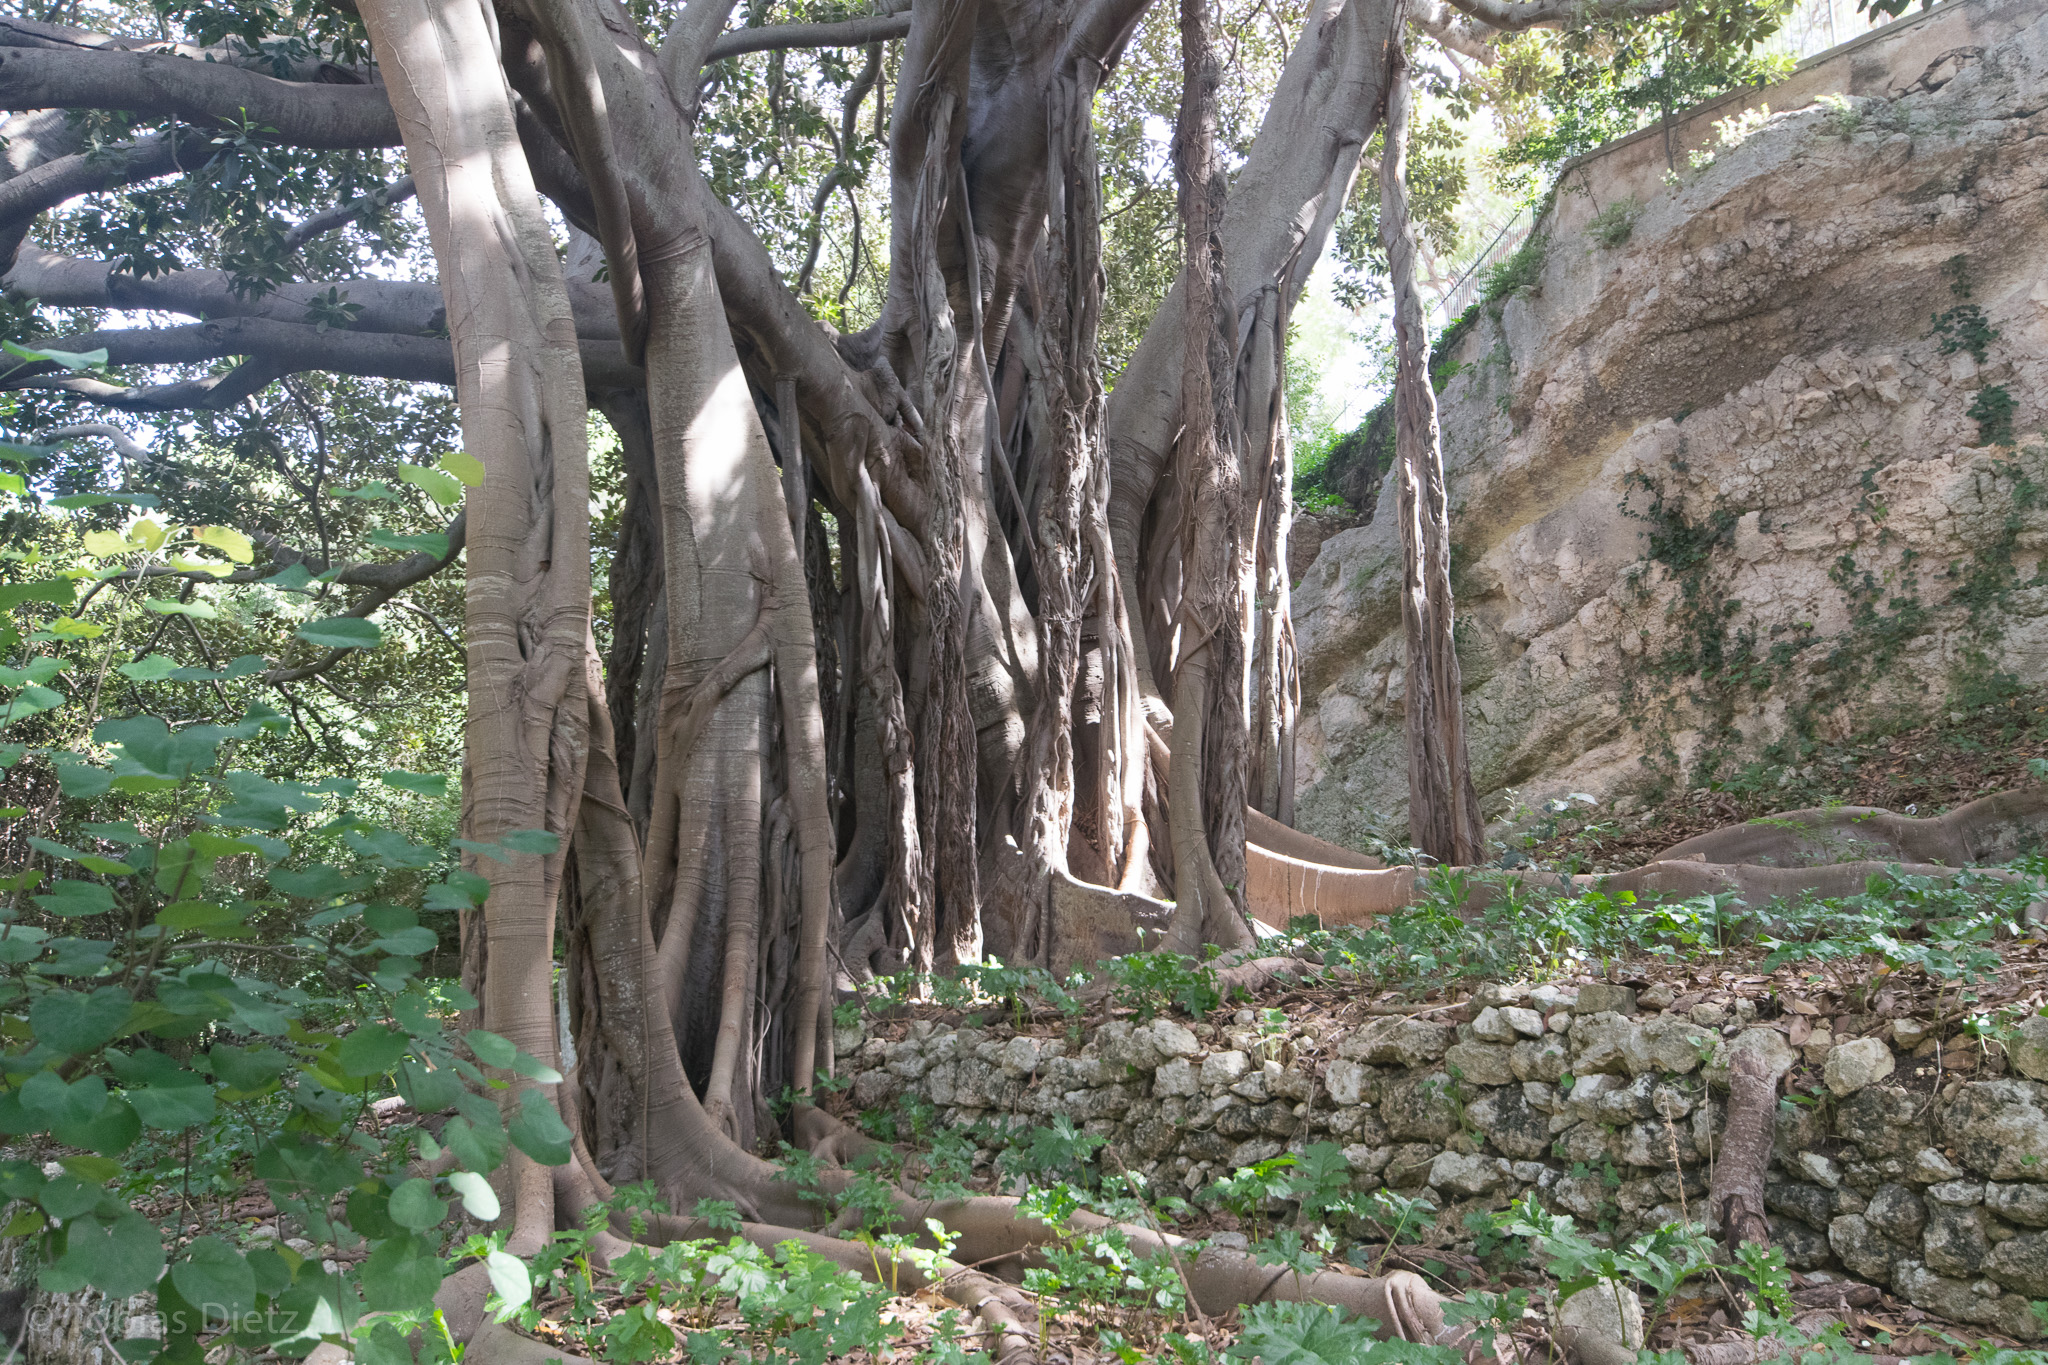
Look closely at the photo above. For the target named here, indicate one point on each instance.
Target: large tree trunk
(1443, 806)
(527, 617)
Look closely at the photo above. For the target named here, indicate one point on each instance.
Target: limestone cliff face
(1721, 485)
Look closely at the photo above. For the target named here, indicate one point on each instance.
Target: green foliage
(1992, 410)
(1563, 94)
(1615, 224)
(1152, 982)
(1519, 272)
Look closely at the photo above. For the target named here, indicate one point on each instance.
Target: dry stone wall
(1720, 485)
(1906, 1160)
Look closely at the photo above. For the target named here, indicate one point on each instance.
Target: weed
(1616, 223)
(1519, 272)
(1992, 410)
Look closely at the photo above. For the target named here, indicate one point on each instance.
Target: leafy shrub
(1615, 224)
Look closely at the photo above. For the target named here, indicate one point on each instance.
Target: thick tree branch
(291, 59)
(1513, 16)
(844, 33)
(1455, 32)
(210, 94)
(50, 184)
(275, 349)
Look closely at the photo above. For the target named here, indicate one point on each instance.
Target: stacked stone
(1604, 1105)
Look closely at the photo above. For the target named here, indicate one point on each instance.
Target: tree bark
(1443, 806)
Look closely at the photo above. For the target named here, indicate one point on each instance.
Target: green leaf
(414, 942)
(462, 890)
(214, 1278)
(57, 590)
(175, 1106)
(31, 701)
(248, 1068)
(181, 869)
(382, 1344)
(82, 780)
(80, 1024)
(414, 1206)
(91, 862)
(401, 1273)
(511, 1280)
(37, 670)
(420, 784)
(110, 1132)
(490, 1049)
(117, 1260)
(477, 1195)
(427, 542)
(342, 632)
(531, 841)
(228, 541)
(199, 915)
(371, 1050)
(73, 898)
(46, 1096)
(464, 466)
(442, 487)
(538, 1130)
(152, 668)
(478, 1146)
(318, 882)
(70, 360)
(21, 943)
(196, 608)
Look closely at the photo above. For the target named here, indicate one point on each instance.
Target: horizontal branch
(1455, 31)
(211, 94)
(291, 59)
(67, 177)
(1514, 16)
(404, 306)
(274, 349)
(385, 582)
(844, 33)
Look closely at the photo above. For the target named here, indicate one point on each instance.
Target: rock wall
(1919, 1167)
(1720, 485)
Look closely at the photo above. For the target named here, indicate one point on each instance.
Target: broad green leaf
(80, 1024)
(40, 669)
(464, 466)
(442, 487)
(13, 483)
(109, 1132)
(212, 568)
(148, 532)
(172, 1108)
(196, 609)
(479, 1146)
(511, 1280)
(376, 490)
(490, 1049)
(21, 943)
(69, 628)
(531, 841)
(118, 1260)
(420, 784)
(83, 780)
(105, 544)
(427, 543)
(215, 1278)
(69, 1197)
(401, 1273)
(47, 1096)
(249, 1068)
(31, 701)
(318, 882)
(414, 1206)
(228, 541)
(477, 1195)
(71, 502)
(538, 1130)
(153, 668)
(91, 862)
(417, 941)
(57, 590)
(70, 360)
(371, 1050)
(73, 898)
(199, 915)
(342, 632)
(381, 1344)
